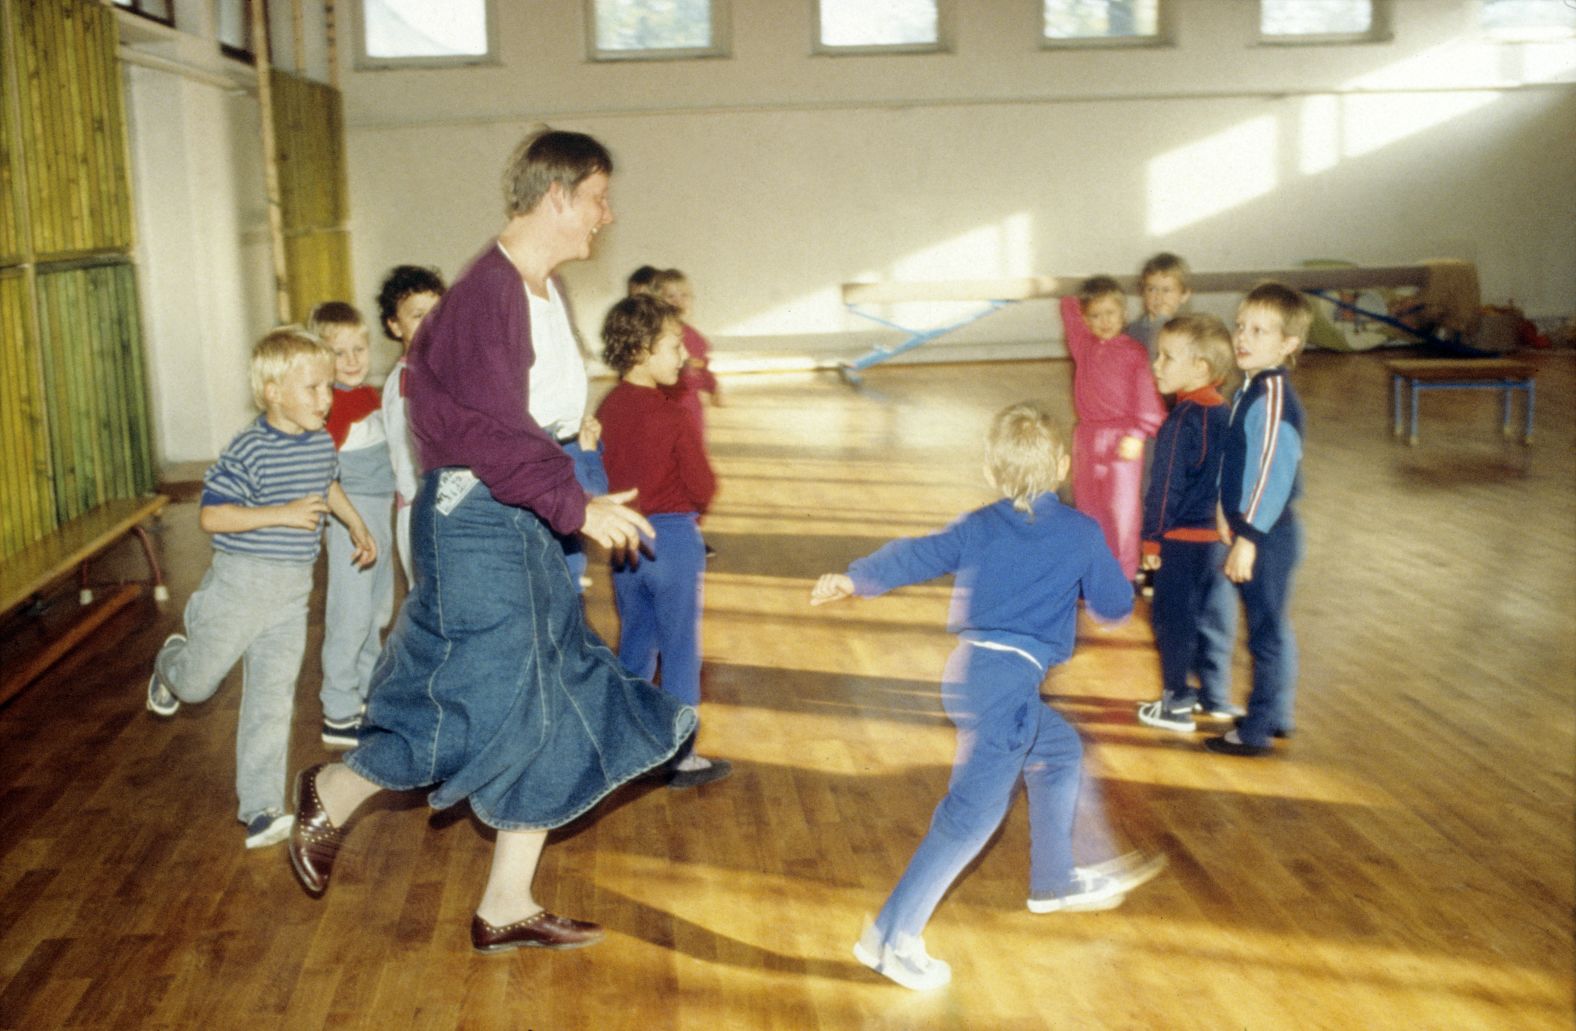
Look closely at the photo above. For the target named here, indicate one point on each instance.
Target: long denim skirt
(492, 688)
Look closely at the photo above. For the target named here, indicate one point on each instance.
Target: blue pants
(1195, 621)
(251, 610)
(1266, 601)
(1004, 732)
(659, 607)
(591, 474)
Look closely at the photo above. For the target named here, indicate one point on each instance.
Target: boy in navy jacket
(1195, 609)
(1260, 479)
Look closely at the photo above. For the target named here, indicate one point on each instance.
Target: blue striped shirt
(265, 466)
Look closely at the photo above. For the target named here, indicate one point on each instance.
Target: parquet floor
(1406, 862)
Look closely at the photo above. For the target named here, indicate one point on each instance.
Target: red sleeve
(1074, 329)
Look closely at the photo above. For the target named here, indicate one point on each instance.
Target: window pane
(653, 25)
(1101, 19)
(425, 28)
(158, 10)
(878, 23)
(1529, 19)
(1315, 17)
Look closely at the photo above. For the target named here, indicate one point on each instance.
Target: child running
(360, 602)
(649, 442)
(1021, 566)
(1260, 479)
(1195, 609)
(263, 501)
(1114, 395)
(408, 293)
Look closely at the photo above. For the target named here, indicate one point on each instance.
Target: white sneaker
(161, 701)
(1102, 886)
(1155, 714)
(904, 961)
(268, 828)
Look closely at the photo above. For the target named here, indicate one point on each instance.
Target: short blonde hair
(1293, 307)
(1210, 340)
(1024, 452)
(280, 351)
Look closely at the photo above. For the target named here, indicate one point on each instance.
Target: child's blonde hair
(333, 315)
(664, 278)
(1294, 309)
(1210, 340)
(280, 351)
(1024, 453)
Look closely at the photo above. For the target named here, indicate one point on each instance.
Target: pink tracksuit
(1114, 395)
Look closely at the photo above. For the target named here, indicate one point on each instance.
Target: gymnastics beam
(1354, 277)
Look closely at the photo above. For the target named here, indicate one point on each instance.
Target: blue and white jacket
(1261, 472)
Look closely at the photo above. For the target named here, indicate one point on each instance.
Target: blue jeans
(492, 687)
(254, 611)
(591, 474)
(1195, 621)
(1266, 601)
(659, 607)
(1004, 732)
(359, 605)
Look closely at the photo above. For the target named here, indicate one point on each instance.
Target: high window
(866, 26)
(1100, 22)
(1323, 21)
(1529, 20)
(655, 29)
(158, 10)
(415, 33)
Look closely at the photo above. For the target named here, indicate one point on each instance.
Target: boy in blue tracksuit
(1260, 479)
(1195, 608)
(1021, 566)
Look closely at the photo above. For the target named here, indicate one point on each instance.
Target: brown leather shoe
(543, 931)
(314, 841)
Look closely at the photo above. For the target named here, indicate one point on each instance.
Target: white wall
(774, 176)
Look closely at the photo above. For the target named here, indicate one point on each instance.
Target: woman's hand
(617, 527)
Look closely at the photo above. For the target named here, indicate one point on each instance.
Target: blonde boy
(263, 501)
(1260, 479)
(1195, 609)
(1020, 567)
(1162, 288)
(360, 601)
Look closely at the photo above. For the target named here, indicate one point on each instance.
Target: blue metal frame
(1506, 384)
(850, 370)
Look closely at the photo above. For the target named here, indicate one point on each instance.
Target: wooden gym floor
(1405, 862)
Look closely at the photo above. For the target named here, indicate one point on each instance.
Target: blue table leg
(1395, 404)
(1526, 437)
(1417, 388)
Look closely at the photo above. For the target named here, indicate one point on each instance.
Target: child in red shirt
(651, 443)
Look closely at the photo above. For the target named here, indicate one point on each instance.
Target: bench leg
(1526, 436)
(1411, 438)
(1395, 404)
(160, 591)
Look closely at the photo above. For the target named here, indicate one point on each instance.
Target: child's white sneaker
(269, 827)
(903, 960)
(1102, 886)
(161, 700)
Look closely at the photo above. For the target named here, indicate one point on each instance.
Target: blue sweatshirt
(1184, 482)
(1261, 473)
(1018, 578)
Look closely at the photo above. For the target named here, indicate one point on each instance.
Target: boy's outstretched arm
(831, 587)
(366, 551)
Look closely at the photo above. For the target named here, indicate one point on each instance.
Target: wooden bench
(71, 547)
(1420, 374)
